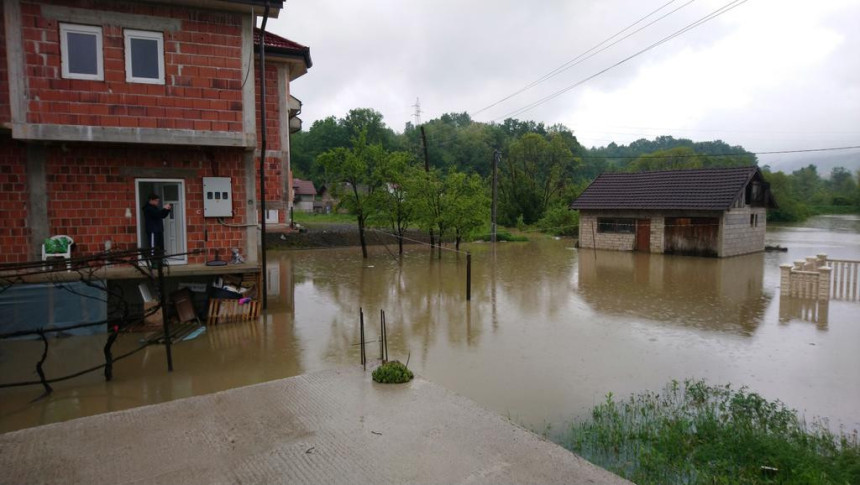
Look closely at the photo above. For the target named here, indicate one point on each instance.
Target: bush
(505, 236)
(697, 433)
(560, 221)
(392, 372)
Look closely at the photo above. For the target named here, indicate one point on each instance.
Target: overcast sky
(768, 74)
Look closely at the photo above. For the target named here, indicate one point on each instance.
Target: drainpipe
(263, 275)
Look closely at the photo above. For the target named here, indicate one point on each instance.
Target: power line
(716, 13)
(584, 55)
(775, 152)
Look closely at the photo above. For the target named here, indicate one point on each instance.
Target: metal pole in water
(361, 318)
(265, 295)
(165, 322)
(496, 156)
(381, 334)
(384, 338)
(468, 276)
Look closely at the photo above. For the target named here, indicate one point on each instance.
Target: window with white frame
(81, 48)
(144, 57)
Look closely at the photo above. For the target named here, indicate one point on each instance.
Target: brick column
(824, 283)
(784, 280)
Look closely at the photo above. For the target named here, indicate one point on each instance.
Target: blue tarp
(50, 305)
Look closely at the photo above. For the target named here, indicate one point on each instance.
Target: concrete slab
(329, 427)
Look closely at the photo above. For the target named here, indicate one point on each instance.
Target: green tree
(351, 171)
(392, 205)
(807, 186)
(465, 204)
(305, 147)
(789, 207)
(426, 190)
(842, 187)
(533, 176)
(370, 122)
(669, 159)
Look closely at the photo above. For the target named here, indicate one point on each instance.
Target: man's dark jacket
(152, 217)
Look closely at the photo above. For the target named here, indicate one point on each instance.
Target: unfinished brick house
(705, 212)
(104, 102)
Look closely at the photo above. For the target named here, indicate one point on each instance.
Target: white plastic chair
(67, 255)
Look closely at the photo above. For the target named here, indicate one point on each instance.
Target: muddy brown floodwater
(549, 332)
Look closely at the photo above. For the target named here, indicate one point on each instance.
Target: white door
(171, 192)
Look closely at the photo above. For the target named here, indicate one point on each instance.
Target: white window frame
(64, 50)
(130, 34)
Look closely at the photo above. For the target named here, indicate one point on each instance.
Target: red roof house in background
(102, 103)
(305, 192)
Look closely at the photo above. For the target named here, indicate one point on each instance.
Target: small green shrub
(695, 433)
(521, 223)
(505, 236)
(560, 221)
(392, 372)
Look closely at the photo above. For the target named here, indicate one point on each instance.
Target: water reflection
(549, 331)
(708, 293)
(807, 309)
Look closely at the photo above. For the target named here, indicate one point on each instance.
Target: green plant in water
(505, 236)
(695, 433)
(393, 372)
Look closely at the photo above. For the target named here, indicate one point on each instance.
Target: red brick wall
(275, 176)
(14, 233)
(203, 76)
(274, 182)
(88, 195)
(273, 108)
(5, 115)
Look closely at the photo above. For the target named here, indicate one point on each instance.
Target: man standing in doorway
(154, 224)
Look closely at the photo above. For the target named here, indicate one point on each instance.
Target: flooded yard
(549, 332)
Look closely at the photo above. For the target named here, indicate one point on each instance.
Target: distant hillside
(620, 157)
(825, 161)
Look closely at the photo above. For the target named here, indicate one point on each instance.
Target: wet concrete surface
(334, 426)
(549, 332)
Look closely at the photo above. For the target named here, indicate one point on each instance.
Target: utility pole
(496, 156)
(417, 113)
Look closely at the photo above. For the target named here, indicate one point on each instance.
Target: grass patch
(393, 372)
(334, 217)
(694, 433)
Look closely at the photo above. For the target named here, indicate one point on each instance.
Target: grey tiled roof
(304, 187)
(700, 189)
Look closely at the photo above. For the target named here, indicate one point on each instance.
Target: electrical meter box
(217, 198)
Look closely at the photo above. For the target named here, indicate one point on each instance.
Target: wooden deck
(127, 272)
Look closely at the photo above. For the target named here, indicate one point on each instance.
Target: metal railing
(86, 269)
(845, 279)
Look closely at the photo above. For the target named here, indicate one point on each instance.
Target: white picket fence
(820, 278)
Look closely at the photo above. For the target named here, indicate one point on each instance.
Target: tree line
(437, 176)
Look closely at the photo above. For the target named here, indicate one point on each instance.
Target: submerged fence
(821, 278)
(846, 279)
